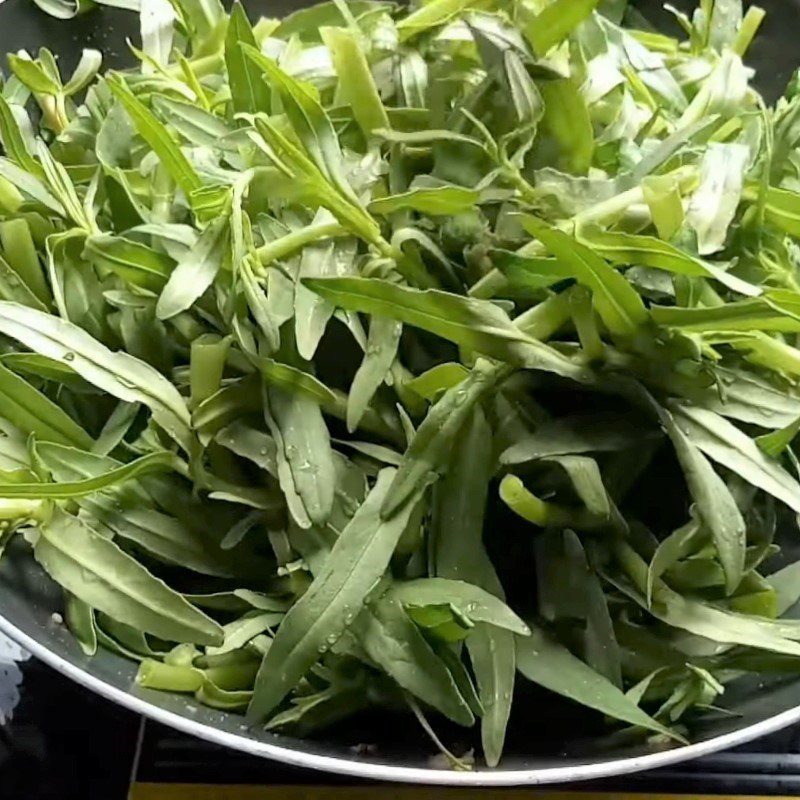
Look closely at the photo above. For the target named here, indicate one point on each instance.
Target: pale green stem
(544, 320)
(544, 514)
(292, 242)
(747, 32)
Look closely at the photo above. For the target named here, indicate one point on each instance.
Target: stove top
(57, 740)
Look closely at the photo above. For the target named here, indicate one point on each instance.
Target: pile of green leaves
(302, 319)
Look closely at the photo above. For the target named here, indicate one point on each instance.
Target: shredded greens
(373, 357)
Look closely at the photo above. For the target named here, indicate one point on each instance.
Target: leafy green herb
(305, 306)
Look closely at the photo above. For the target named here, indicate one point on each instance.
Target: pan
(542, 749)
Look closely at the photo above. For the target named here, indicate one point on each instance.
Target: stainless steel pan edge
(390, 772)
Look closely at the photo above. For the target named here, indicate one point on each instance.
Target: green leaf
(663, 197)
(554, 22)
(616, 301)
(30, 184)
(135, 263)
(14, 143)
(121, 375)
(459, 507)
(395, 643)
(80, 620)
(431, 15)
(32, 75)
(715, 504)
(428, 452)
(775, 443)
(84, 73)
(20, 252)
(145, 465)
(596, 433)
(197, 126)
(319, 618)
(786, 583)
(310, 121)
(647, 251)
(708, 621)
(528, 100)
(745, 315)
(250, 443)
(239, 632)
(249, 92)
(382, 344)
(783, 210)
(679, 544)
(587, 482)
(195, 272)
(312, 313)
(436, 201)
(438, 379)
(97, 572)
(356, 84)
(713, 204)
(727, 445)
(566, 120)
(471, 601)
(476, 324)
(156, 136)
(34, 413)
(303, 451)
(546, 662)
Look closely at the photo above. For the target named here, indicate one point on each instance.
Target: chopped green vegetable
(321, 337)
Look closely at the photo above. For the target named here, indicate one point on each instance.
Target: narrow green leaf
(647, 251)
(304, 447)
(431, 15)
(80, 620)
(596, 433)
(157, 136)
(727, 445)
(195, 272)
(472, 601)
(382, 344)
(34, 413)
(679, 544)
(429, 451)
(715, 504)
(14, 143)
(249, 92)
(310, 121)
(133, 262)
(437, 201)
(396, 644)
(546, 662)
(32, 75)
(617, 302)
(356, 83)
(120, 374)
(145, 465)
(775, 443)
(97, 572)
(555, 22)
(479, 325)
(566, 120)
(319, 618)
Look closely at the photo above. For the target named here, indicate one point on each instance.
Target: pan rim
(390, 772)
